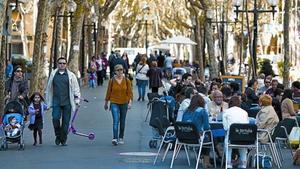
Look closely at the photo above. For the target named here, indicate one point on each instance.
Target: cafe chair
(242, 136)
(281, 134)
(168, 138)
(272, 147)
(187, 135)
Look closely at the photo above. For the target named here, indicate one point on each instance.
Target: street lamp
(256, 12)
(71, 8)
(94, 18)
(210, 16)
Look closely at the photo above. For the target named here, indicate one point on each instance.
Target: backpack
(264, 161)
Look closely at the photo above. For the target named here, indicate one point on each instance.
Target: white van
(132, 52)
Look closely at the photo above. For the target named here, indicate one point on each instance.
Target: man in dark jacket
(115, 59)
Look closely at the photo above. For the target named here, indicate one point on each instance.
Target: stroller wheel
(151, 143)
(154, 143)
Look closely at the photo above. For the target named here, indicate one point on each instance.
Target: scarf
(15, 87)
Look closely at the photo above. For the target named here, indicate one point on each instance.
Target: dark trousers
(154, 89)
(100, 76)
(61, 129)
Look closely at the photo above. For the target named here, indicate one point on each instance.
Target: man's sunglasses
(62, 63)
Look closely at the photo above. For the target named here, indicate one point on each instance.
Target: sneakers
(114, 142)
(121, 141)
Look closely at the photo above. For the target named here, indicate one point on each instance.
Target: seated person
(266, 118)
(251, 92)
(199, 117)
(296, 91)
(287, 107)
(189, 92)
(217, 105)
(235, 115)
(13, 127)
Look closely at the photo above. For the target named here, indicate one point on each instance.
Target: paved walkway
(82, 153)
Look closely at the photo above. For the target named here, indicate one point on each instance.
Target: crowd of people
(196, 101)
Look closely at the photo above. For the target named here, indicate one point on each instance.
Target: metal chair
(242, 136)
(168, 138)
(188, 135)
(281, 134)
(272, 147)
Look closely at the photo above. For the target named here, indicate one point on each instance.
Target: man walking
(62, 94)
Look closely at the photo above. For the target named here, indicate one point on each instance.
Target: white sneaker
(121, 141)
(114, 142)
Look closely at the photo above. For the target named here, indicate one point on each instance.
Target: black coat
(155, 76)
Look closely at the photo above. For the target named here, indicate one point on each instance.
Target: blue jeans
(118, 112)
(92, 83)
(142, 87)
(61, 130)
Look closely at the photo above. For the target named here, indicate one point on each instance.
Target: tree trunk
(42, 6)
(43, 77)
(213, 68)
(3, 6)
(198, 51)
(103, 12)
(76, 33)
(56, 37)
(90, 39)
(59, 29)
(286, 65)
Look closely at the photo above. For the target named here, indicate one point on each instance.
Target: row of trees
(172, 17)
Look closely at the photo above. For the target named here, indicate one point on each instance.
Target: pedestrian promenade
(82, 153)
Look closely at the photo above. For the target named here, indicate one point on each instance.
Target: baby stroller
(161, 111)
(13, 109)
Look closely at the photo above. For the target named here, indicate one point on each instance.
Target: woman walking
(141, 77)
(155, 76)
(119, 94)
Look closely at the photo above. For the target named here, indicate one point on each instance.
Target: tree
(37, 51)
(213, 68)
(286, 66)
(3, 7)
(76, 33)
(104, 8)
(59, 9)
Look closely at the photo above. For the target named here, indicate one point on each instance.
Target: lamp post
(256, 12)
(71, 8)
(94, 18)
(146, 10)
(210, 16)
